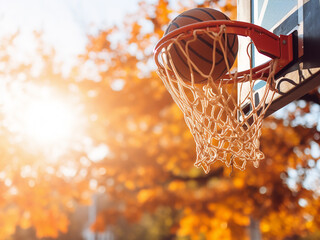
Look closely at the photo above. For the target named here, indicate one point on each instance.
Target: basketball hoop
(223, 129)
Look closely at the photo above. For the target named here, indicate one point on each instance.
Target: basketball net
(222, 129)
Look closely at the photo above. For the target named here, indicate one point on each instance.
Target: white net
(223, 128)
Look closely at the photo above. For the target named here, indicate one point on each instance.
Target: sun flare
(48, 121)
(41, 116)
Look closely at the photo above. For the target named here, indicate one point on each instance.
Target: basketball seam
(203, 10)
(170, 25)
(175, 48)
(186, 64)
(197, 54)
(194, 70)
(200, 38)
(203, 58)
(192, 17)
(210, 46)
(166, 32)
(231, 47)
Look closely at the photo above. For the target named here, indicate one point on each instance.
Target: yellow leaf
(144, 195)
(130, 185)
(9, 219)
(176, 185)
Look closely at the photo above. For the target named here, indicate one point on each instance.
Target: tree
(41, 180)
(133, 146)
(151, 151)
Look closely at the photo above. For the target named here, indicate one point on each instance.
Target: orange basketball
(200, 51)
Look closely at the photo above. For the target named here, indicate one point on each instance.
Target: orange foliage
(149, 162)
(155, 153)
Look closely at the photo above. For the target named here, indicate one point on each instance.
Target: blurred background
(92, 146)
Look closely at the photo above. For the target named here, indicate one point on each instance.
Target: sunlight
(48, 121)
(40, 117)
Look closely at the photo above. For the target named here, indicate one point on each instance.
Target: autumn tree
(43, 173)
(150, 164)
(132, 145)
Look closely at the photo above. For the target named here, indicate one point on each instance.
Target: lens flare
(48, 121)
(41, 117)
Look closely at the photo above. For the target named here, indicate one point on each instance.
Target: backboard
(298, 17)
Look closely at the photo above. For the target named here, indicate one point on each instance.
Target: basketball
(201, 50)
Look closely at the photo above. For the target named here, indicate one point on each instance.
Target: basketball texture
(201, 50)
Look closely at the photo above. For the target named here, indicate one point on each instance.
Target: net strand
(222, 129)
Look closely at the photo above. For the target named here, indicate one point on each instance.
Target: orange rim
(266, 42)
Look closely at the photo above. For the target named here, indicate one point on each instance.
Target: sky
(65, 23)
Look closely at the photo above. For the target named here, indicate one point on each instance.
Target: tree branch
(215, 173)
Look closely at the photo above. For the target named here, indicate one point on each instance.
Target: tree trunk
(254, 229)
